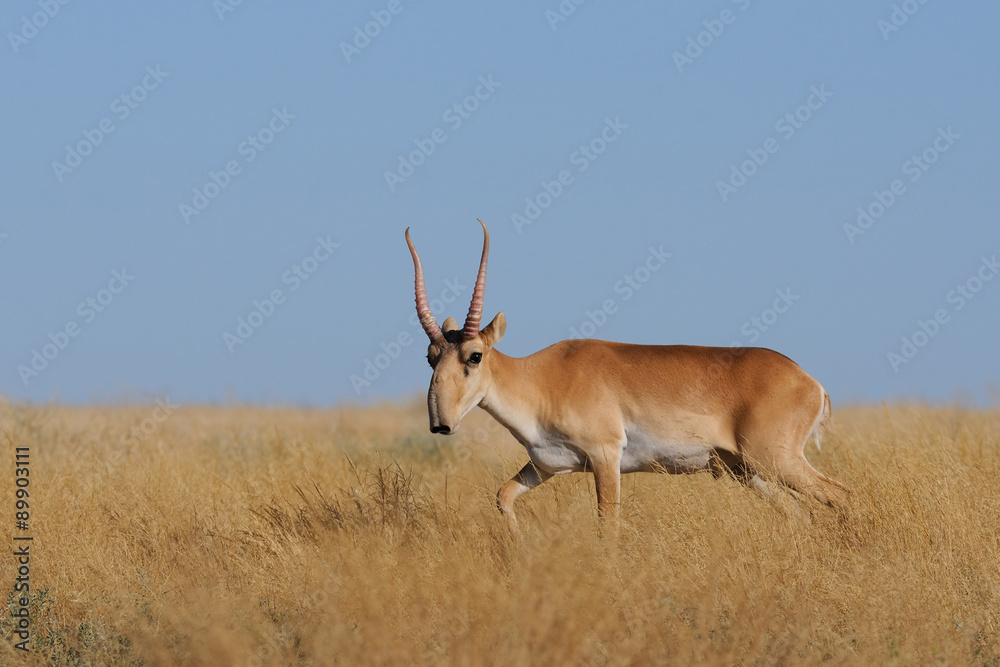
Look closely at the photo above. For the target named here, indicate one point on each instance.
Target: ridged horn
(424, 314)
(475, 316)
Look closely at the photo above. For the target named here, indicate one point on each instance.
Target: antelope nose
(443, 429)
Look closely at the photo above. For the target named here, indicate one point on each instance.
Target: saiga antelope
(614, 408)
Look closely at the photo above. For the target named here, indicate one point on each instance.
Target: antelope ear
(493, 333)
(450, 325)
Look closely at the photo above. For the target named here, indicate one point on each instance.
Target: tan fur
(613, 408)
(754, 408)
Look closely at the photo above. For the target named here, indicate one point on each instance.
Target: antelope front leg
(526, 480)
(608, 479)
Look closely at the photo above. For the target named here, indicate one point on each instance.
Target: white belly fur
(556, 456)
(642, 453)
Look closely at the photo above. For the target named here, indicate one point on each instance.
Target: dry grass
(278, 536)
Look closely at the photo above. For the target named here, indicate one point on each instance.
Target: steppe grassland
(252, 536)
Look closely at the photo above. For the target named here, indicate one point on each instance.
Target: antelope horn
(471, 328)
(424, 314)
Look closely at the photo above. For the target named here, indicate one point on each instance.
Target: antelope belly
(646, 453)
(556, 456)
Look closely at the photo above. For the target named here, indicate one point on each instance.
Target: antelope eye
(475, 357)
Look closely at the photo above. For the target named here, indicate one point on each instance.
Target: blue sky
(170, 168)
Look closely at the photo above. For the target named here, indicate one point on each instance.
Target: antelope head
(460, 357)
